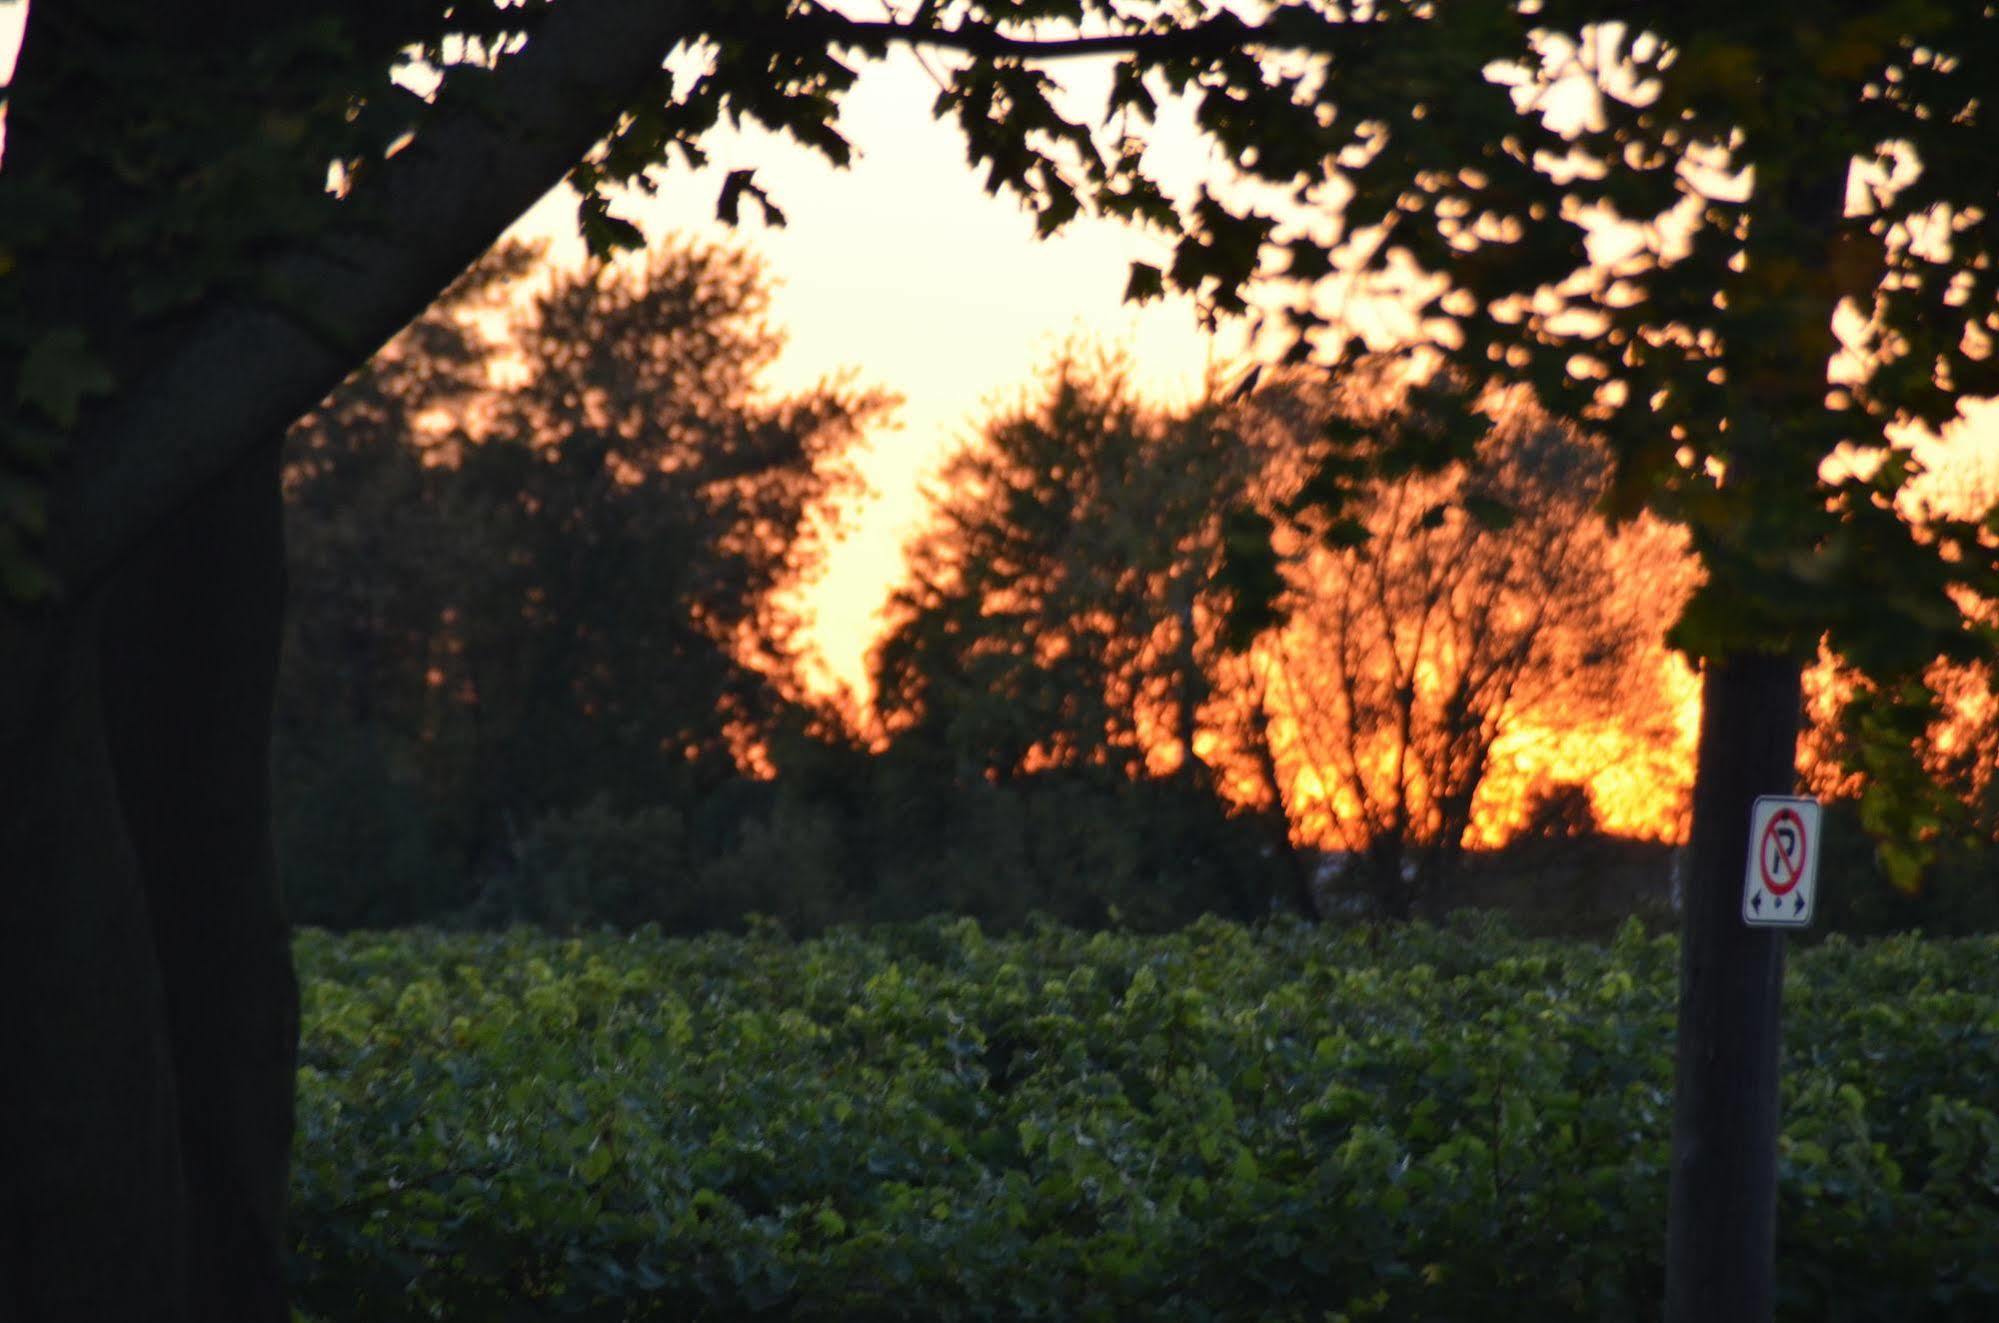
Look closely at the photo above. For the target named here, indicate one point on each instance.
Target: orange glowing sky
(903, 269)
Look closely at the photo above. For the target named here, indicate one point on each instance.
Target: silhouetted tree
(1448, 610)
(558, 581)
(1050, 618)
(1062, 615)
(1066, 610)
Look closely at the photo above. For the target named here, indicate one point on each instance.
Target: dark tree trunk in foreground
(1721, 1235)
(145, 1112)
(84, 1039)
(190, 674)
(149, 1028)
(147, 1048)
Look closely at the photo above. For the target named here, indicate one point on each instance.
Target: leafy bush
(1959, 893)
(925, 1121)
(784, 865)
(599, 866)
(354, 837)
(1085, 847)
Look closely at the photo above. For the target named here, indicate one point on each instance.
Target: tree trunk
(1392, 892)
(190, 677)
(1722, 1227)
(145, 1122)
(92, 1201)
(1303, 900)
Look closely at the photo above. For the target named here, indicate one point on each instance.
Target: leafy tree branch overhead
(291, 286)
(1634, 221)
(1656, 227)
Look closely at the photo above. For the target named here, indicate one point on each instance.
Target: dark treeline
(543, 664)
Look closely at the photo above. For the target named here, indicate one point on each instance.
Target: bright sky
(902, 268)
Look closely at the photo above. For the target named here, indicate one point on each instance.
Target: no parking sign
(1780, 884)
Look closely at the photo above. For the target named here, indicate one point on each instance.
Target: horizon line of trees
(544, 659)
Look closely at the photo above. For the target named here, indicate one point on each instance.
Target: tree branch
(249, 365)
(1223, 32)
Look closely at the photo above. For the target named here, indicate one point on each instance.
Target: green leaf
(1490, 513)
(603, 233)
(1147, 282)
(735, 187)
(58, 373)
(1308, 261)
(595, 1164)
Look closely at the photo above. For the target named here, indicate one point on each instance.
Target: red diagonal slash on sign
(1780, 855)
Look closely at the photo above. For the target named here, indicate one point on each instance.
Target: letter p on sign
(1780, 884)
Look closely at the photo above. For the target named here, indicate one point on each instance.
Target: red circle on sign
(1782, 865)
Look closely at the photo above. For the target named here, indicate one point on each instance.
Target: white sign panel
(1780, 885)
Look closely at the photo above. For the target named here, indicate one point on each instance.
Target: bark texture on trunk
(1722, 1224)
(146, 1104)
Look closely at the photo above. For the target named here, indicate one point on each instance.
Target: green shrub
(597, 866)
(786, 866)
(1959, 894)
(600, 868)
(926, 1121)
(355, 844)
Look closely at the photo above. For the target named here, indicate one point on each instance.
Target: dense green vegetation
(1278, 1122)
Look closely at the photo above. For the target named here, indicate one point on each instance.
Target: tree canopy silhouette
(559, 578)
(1453, 609)
(1067, 608)
(1062, 615)
(1061, 608)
